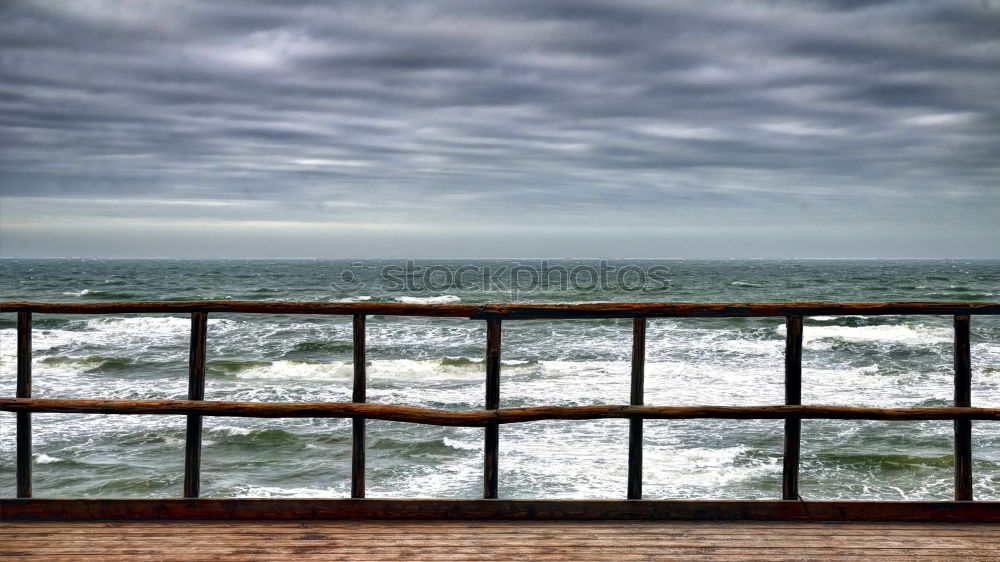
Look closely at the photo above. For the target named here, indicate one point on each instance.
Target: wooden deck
(496, 540)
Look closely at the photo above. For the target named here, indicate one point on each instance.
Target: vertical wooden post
(23, 391)
(635, 424)
(963, 398)
(196, 391)
(793, 397)
(358, 422)
(491, 456)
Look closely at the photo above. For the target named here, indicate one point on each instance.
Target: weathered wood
(23, 390)
(440, 540)
(196, 391)
(358, 422)
(715, 310)
(251, 307)
(963, 398)
(370, 508)
(793, 397)
(637, 390)
(482, 418)
(491, 446)
(489, 529)
(516, 311)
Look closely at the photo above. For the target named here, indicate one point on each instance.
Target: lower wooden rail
(298, 509)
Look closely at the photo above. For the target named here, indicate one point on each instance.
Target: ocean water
(892, 361)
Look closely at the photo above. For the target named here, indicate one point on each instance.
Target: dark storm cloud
(661, 109)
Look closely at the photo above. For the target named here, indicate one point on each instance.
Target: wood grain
(636, 398)
(495, 540)
(793, 397)
(963, 398)
(23, 390)
(481, 418)
(396, 508)
(517, 311)
(359, 395)
(196, 391)
(491, 444)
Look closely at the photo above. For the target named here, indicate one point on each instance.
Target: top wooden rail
(792, 411)
(514, 311)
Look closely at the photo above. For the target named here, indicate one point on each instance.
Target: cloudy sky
(511, 128)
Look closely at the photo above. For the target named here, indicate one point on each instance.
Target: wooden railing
(492, 416)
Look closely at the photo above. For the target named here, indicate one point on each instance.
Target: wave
(143, 324)
(887, 461)
(433, 447)
(99, 294)
(911, 334)
(244, 491)
(441, 299)
(90, 363)
(256, 436)
(231, 366)
(298, 370)
(333, 346)
(443, 368)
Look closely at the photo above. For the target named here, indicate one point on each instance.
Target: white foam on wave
(229, 430)
(299, 370)
(687, 472)
(464, 445)
(424, 370)
(278, 492)
(384, 369)
(441, 299)
(77, 293)
(911, 334)
(771, 348)
(45, 459)
(684, 383)
(867, 386)
(155, 325)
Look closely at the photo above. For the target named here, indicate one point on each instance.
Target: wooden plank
(550, 535)
(637, 390)
(491, 446)
(793, 397)
(369, 508)
(576, 556)
(481, 418)
(347, 545)
(23, 390)
(715, 310)
(250, 307)
(196, 392)
(359, 397)
(963, 398)
(639, 530)
(516, 311)
(397, 529)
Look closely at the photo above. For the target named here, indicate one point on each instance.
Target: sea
(890, 361)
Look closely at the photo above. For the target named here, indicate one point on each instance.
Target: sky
(513, 128)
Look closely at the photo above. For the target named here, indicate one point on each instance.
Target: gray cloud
(820, 115)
